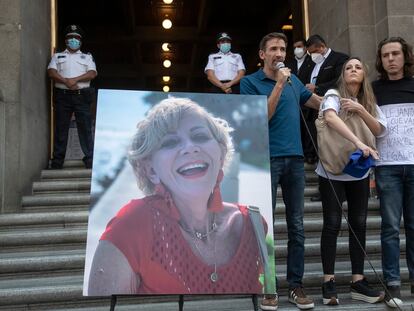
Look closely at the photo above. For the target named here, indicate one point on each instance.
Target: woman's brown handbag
(334, 149)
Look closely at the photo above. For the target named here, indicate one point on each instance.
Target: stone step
(134, 303)
(55, 208)
(64, 219)
(313, 276)
(53, 200)
(42, 236)
(314, 224)
(53, 259)
(346, 303)
(41, 261)
(74, 172)
(40, 219)
(35, 260)
(309, 167)
(81, 200)
(311, 178)
(68, 288)
(194, 302)
(62, 186)
(313, 246)
(64, 174)
(316, 207)
(206, 303)
(64, 262)
(22, 249)
(40, 289)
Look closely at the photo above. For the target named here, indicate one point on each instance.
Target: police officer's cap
(73, 30)
(223, 35)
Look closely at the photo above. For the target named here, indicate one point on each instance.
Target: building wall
(356, 27)
(24, 105)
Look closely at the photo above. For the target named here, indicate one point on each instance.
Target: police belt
(73, 92)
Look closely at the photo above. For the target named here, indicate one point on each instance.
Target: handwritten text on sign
(398, 144)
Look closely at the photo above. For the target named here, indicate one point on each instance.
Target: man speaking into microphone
(286, 156)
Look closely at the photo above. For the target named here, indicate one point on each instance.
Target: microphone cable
(338, 201)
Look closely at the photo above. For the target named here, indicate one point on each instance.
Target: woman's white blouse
(332, 102)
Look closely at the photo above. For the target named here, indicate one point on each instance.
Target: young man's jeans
(395, 184)
(290, 173)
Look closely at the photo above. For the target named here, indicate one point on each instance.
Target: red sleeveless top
(151, 240)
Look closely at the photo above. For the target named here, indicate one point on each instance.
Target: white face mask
(299, 52)
(317, 58)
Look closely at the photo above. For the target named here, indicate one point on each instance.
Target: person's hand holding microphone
(283, 73)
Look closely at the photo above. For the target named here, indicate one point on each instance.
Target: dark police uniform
(67, 102)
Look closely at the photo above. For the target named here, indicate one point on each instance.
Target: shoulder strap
(257, 223)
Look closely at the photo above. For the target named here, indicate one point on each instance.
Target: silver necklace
(199, 236)
(214, 275)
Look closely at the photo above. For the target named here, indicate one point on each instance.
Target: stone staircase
(42, 253)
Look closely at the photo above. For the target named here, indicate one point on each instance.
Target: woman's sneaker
(360, 290)
(393, 297)
(269, 302)
(329, 294)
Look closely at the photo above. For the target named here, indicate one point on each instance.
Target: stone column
(394, 18)
(24, 104)
(355, 27)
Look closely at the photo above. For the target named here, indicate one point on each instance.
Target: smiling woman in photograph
(181, 238)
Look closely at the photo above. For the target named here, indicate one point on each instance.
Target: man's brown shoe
(269, 302)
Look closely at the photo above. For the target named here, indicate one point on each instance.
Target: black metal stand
(180, 302)
(113, 303)
(255, 302)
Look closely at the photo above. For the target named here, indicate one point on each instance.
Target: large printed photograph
(180, 196)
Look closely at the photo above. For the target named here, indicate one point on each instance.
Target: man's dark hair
(300, 40)
(408, 57)
(270, 36)
(315, 39)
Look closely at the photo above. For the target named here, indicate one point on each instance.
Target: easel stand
(255, 302)
(113, 302)
(181, 302)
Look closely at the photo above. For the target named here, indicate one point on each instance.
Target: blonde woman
(354, 95)
(181, 238)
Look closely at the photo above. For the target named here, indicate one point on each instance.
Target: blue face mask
(225, 47)
(73, 43)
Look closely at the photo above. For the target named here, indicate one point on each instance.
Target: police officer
(72, 71)
(224, 68)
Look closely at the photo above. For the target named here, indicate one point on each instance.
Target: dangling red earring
(215, 202)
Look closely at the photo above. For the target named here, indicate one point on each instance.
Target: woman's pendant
(214, 277)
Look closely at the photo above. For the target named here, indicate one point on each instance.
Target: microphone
(280, 65)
